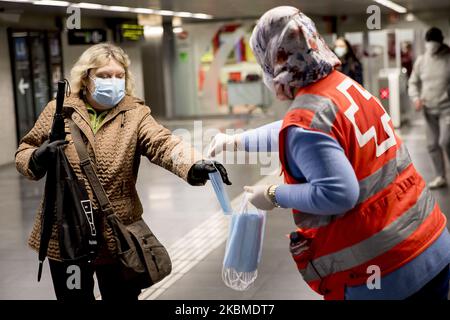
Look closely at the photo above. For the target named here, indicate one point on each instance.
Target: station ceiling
(229, 9)
(254, 8)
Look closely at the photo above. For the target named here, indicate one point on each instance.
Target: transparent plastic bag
(244, 247)
(222, 196)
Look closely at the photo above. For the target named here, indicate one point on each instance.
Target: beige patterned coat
(127, 132)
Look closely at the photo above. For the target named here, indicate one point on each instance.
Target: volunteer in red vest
(368, 227)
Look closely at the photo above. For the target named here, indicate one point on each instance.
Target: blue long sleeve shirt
(330, 187)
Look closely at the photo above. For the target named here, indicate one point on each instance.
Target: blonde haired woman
(118, 129)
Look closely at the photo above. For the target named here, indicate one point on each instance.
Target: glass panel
(22, 85)
(39, 71)
(55, 60)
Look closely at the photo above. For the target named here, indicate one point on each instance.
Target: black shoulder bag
(75, 219)
(143, 258)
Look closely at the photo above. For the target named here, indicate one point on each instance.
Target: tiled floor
(173, 209)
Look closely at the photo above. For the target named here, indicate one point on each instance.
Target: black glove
(198, 174)
(42, 155)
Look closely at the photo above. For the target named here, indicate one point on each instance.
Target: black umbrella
(48, 212)
(65, 201)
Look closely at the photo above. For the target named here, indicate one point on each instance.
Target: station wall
(7, 110)
(8, 139)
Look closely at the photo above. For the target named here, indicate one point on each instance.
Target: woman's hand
(42, 155)
(224, 142)
(198, 174)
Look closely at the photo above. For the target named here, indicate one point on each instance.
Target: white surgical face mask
(431, 46)
(108, 92)
(340, 51)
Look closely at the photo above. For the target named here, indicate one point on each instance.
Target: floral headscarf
(290, 51)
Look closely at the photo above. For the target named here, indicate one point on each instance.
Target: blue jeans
(436, 289)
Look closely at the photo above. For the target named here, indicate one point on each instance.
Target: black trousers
(75, 282)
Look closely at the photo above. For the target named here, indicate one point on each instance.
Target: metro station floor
(187, 220)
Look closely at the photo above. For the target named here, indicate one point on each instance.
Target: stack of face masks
(244, 247)
(222, 196)
(245, 239)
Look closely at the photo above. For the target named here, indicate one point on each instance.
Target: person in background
(351, 66)
(406, 57)
(357, 199)
(429, 89)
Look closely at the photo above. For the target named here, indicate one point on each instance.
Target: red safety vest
(395, 219)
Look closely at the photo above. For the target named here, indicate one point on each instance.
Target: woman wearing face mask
(429, 89)
(363, 211)
(119, 130)
(350, 64)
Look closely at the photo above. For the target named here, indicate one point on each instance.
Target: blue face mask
(108, 92)
(221, 193)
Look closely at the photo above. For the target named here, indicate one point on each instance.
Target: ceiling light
(20, 1)
(143, 10)
(202, 16)
(153, 31)
(392, 5)
(184, 14)
(52, 3)
(96, 6)
(165, 12)
(86, 5)
(409, 17)
(118, 8)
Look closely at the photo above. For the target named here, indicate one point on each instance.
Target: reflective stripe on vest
(384, 176)
(366, 250)
(325, 112)
(324, 109)
(307, 220)
(368, 187)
